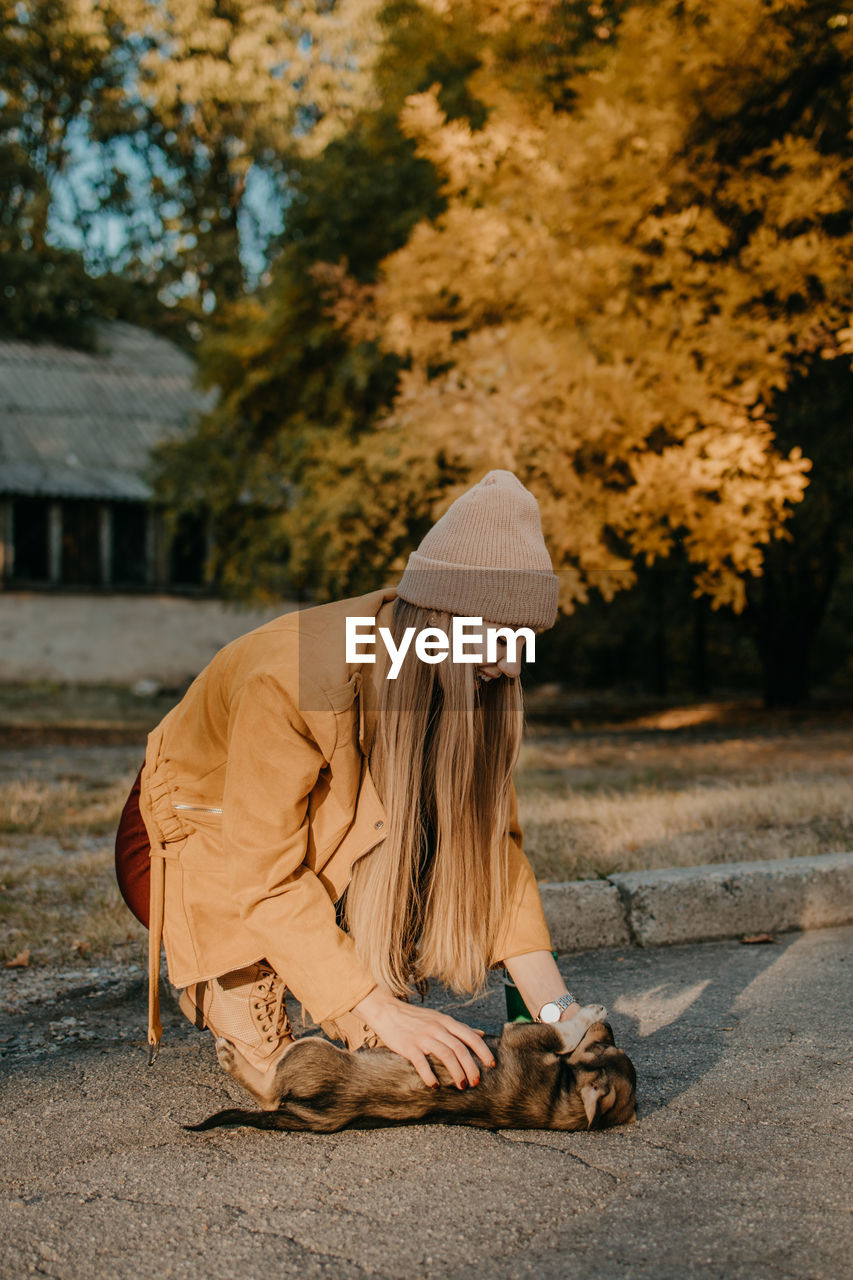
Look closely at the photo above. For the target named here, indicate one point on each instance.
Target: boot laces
(268, 1005)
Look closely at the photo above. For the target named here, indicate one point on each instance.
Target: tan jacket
(258, 799)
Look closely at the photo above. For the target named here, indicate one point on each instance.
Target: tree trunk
(786, 608)
(788, 603)
(659, 666)
(785, 650)
(700, 678)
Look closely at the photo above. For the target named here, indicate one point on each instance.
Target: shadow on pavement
(676, 1031)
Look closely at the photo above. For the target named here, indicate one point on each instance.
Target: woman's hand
(414, 1032)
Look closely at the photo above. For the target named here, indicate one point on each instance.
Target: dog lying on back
(538, 1082)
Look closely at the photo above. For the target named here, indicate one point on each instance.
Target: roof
(80, 424)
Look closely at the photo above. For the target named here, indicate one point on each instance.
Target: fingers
(424, 1070)
(459, 1039)
(458, 1061)
(474, 1040)
(451, 1052)
(415, 1033)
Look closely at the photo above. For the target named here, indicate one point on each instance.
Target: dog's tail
(232, 1116)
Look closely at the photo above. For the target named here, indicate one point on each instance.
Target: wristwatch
(551, 1011)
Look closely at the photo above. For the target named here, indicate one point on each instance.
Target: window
(31, 561)
(128, 567)
(81, 565)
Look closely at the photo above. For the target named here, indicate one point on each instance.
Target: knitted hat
(486, 558)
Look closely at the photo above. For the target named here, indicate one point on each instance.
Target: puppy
(542, 1080)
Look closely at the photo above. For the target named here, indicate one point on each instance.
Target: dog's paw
(574, 1030)
(226, 1055)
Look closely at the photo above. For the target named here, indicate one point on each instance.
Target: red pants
(133, 864)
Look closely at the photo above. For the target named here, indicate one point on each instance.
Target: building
(76, 433)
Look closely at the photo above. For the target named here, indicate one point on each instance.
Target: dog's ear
(591, 1094)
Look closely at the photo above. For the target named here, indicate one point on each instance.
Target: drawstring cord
(155, 938)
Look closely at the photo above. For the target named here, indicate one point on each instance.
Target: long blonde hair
(443, 758)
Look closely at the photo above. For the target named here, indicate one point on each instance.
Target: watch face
(550, 1012)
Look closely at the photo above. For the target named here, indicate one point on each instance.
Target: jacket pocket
(342, 696)
(203, 851)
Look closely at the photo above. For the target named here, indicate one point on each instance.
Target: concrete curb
(699, 904)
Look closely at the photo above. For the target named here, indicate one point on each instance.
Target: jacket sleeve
(524, 928)
(273, 763)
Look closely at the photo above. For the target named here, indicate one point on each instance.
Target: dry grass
(58, 894)
(581, 835)
(31, 806)
(592, 802)
(595, 803)
(92, 707)
(63, 905)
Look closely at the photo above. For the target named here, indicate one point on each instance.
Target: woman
(315, 826)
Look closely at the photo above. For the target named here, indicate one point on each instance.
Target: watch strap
(562, 1002)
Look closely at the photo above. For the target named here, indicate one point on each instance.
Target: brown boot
(245, 1007)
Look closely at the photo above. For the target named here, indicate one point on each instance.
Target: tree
(235, 91)
(614, 295)
(640, 236)
(62, 77)
(179, 123)
(788, 603)
(296, 393)
(299, 393)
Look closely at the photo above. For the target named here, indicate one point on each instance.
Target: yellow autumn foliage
(615, 294)
(244, 71)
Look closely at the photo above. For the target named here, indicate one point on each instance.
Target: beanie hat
(486, 558)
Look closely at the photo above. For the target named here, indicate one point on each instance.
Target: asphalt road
(738, 1167)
